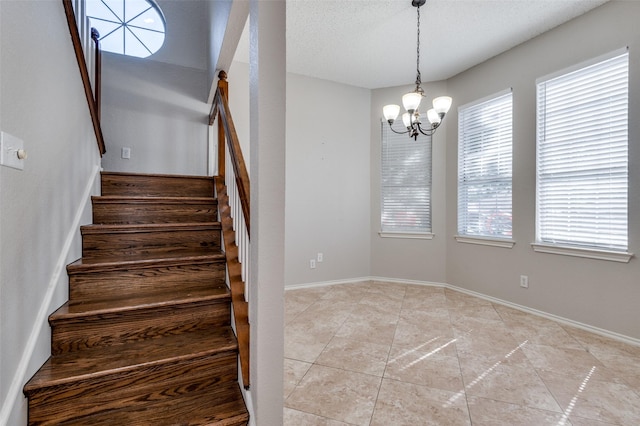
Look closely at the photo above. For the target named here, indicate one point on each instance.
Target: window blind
(485, 167)
(582, 141)
(406, 182)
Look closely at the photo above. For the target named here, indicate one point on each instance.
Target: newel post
(223, 87)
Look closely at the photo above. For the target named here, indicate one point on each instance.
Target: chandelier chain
(418, 75)
(412, 100)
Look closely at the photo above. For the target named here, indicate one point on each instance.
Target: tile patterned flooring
(388, 354)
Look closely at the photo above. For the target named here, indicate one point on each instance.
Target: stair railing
(88, 55)
(232, 187)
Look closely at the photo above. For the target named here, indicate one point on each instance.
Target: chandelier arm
(395, 131)
(429, 132)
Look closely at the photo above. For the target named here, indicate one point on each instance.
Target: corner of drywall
(248, 400)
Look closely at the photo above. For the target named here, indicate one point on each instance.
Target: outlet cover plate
(9, 146)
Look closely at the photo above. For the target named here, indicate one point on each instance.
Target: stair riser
(120, 213)
(56, 404)
(123, 283)
(72, 334)
(107, 244)
(155, 186)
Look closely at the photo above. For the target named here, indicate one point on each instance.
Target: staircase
(145, 338)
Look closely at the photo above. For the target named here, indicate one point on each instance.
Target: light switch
(12, 153)
(126, 153)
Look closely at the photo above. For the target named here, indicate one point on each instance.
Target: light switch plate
(9, 146)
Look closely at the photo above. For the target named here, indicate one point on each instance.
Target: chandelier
(411, 101)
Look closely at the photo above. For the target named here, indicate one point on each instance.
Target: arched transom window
(128, 27)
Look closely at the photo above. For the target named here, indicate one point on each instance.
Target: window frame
(385, 232)
(474, 108)
(546, 243)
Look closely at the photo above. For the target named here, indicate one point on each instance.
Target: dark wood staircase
(146, 337)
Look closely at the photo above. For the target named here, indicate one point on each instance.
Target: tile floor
(388, 354)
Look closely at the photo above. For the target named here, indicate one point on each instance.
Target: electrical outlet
(524, 281)
(12, 153)
(126, 153)
(320, 257)
(312, 264)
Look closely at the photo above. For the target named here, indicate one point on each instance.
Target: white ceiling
(372, 43)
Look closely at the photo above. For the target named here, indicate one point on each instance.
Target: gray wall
(157, 106)
(600, 293)
(43, 103)
(327, 175)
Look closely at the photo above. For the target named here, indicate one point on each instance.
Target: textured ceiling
(372, 43)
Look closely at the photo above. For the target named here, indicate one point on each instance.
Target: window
(484, 167)
(406, 184)
(128, 27)
(582, 156)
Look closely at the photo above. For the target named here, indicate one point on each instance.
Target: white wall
(3, 391)
(158, 110)
(238, 79)
(268, 90)
(43, 103)
(599, 293)
(218, 13)
(186, 40)
(402, 258)
(157, 106)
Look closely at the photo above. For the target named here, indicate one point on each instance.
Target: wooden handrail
(221, 107)
(84, 73)
(235, 230)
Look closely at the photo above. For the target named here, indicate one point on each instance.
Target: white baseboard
(19, 378)
(563, 320)
(557, 318)
(327, 283)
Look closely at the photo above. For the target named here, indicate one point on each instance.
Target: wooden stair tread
(148, 227)
(142, 260)
(210, 407)
(151, 200)
(99, 361)
(173, 298)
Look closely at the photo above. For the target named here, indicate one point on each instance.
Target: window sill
(613, 256)
(485, 241)
(409, 235)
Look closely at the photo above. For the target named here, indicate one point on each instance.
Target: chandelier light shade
(411, 101)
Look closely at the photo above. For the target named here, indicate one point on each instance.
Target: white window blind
(485, 167)
(582, 156)
(406, 183)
